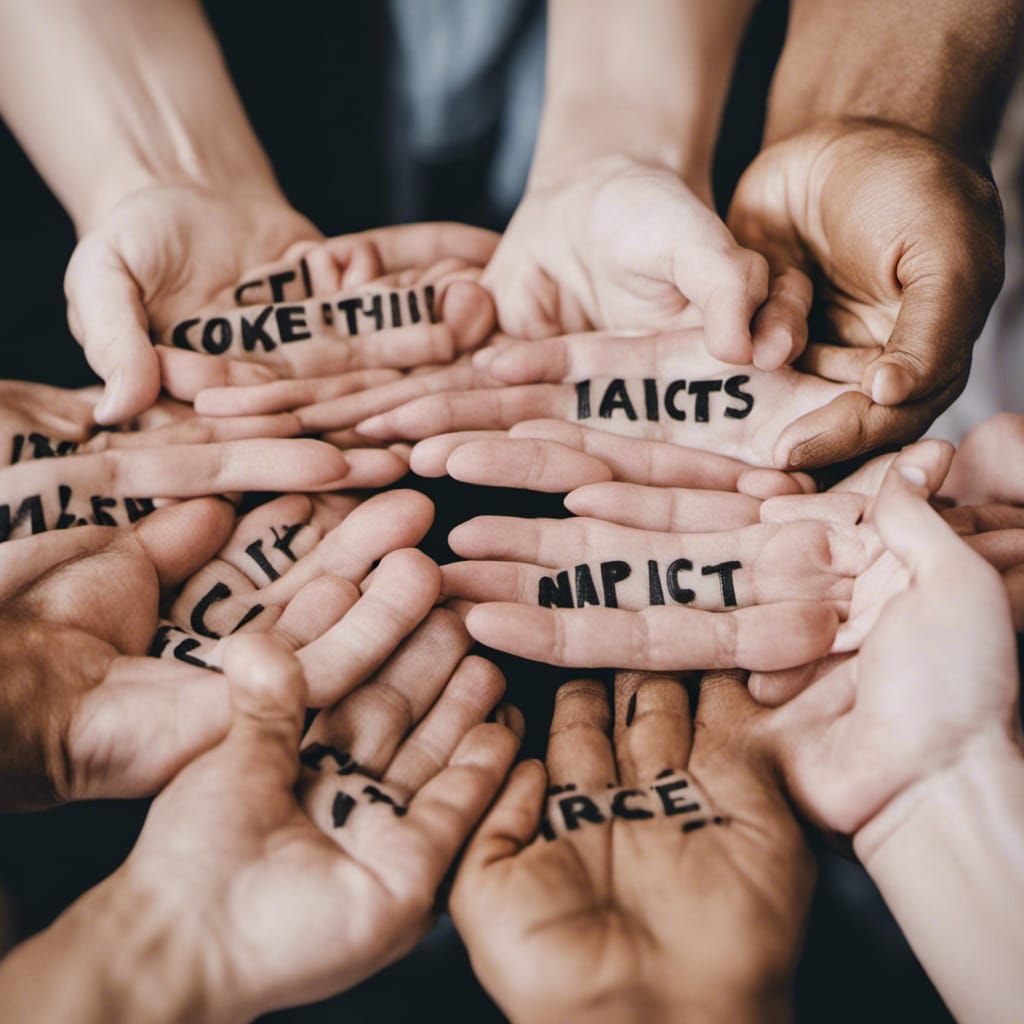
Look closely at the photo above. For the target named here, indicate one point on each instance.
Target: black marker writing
(670, 796)
(264, 329)
(617, 399)
(579, 589)
(99, 511)
(39, 446)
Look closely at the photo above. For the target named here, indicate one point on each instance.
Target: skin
(616, 228)
(627, 920)
(241, 895)
(316, 338)
(544, 379)
(906, 239)
(104, 483)
(86, 714)
(956, 756)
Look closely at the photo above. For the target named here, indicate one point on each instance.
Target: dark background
(314, 77)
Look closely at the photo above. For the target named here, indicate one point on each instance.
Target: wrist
(124, 953)
(986, 779)
(133, 174)
(579, 132)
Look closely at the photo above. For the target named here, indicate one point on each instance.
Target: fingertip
(131, 389)
(469, 310)
(265, 676)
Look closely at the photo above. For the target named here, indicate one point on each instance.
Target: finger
(653, 730)
(723, 706)
(844, 364)
(447, 808)
(268, 706)
(970, 519)
(767, 483)
(908, 525)
(180, 539)
(471, 410)
(1002, 549)
(579, 749)
(287, 395)
(766, 637)
(348, 410)
(852, 425)
(831, 507)
(663, 508)
(184, 471)
(372, 722)
(318, 606)
(729, 308)
(475, 688)
(941, 314)
(430, 456)
(404, 588)
(780, 326)
(510, 826)
(186, 374)
(544, 466)
(107, 317)
(1014, 582)
(637, 461)
(370, 467)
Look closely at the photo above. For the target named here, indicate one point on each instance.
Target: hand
(907, 240)
(617, 244)
(257, 901)
(155, 256)
(845, 763)
(657, 388)
(692, 893)
(85, 714)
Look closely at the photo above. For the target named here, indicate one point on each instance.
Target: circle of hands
(767, 631)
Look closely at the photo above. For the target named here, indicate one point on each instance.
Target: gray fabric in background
(466, 70)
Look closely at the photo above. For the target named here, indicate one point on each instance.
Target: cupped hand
(620, 245)
(665, 871)
(87, 714)
(279, 884)
(871, 729)
(158, 254)
(904, 240)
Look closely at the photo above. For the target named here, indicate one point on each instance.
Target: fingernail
(914, 475)
(890, 386)
(111, 394)
(511, 718)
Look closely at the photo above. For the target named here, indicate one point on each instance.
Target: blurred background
(399, 110)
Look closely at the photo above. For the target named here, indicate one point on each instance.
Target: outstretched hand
(265, 883)
(663, 871)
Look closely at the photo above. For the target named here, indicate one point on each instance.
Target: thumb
(106, 316)
(729, 286)
(268, 703)
(940, 318)
(909, 527)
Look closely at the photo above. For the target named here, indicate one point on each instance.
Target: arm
(947, 859)
(122, 956)
(942, 68)
(616, 229)
(664, 69)
(154, 159)
(113, 97)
